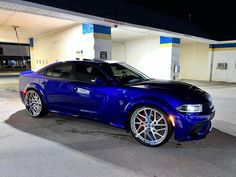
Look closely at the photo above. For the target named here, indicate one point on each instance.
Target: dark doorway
(14, 57)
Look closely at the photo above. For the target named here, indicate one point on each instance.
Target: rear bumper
(192, 127)
(22, 95)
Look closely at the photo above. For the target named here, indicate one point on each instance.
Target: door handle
(75, 89)
(43, 82)
(81, 91)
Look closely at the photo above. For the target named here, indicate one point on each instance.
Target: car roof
(93, 61)
(90, 61)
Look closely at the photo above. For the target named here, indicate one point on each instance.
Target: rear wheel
(150, 126)
(34, 104)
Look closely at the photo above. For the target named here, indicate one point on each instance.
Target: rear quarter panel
(28, 80)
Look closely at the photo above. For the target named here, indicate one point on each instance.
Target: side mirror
(101, 81)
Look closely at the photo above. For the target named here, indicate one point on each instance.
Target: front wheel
(34, 104)
(150, 126)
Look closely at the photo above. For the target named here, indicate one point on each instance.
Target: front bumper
(192, 127)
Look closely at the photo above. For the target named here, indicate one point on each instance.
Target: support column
(32, 58)
(97, 42)
(169, 48)
(211, 59)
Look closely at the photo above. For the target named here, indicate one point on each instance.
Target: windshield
(125, 74)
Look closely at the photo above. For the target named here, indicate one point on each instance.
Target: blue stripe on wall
(226, 45)
(90, 28)
(87, 28)
(31, 42)
(102, 29)
(165, 40)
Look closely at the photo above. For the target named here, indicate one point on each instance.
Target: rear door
(56, 87)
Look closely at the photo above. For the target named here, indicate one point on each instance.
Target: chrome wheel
(33, 103)
(149, 126)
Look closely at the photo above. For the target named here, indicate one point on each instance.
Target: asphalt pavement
(61, 146)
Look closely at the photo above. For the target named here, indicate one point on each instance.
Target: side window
(49, 72)
(125, 75)
(87, 73)
(60, 71)
(121, 71)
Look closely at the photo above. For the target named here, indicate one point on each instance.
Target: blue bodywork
(112, 103)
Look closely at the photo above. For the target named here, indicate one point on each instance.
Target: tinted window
(49, 72)
(60, 71)
(126, 74)
(87, 73)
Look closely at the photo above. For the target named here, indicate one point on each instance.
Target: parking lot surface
(63, 146)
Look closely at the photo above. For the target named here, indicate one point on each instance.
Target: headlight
(190, 108)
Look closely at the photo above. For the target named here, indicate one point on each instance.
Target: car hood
(176, 88)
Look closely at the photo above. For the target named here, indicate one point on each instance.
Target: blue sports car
(117, 94)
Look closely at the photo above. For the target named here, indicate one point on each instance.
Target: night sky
(217, 18)
(208, 19)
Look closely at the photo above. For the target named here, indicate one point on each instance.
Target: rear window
(60, 71)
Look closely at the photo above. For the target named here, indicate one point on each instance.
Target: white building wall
(118, 51)
(194, 61)
(164, 63)
(69, 44)
(87, 47)
(224, 56)
(145, 55)
(58, 46)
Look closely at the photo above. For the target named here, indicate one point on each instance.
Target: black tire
(150, 126)
(34, 104)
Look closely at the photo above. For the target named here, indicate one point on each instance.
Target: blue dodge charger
(117, 94)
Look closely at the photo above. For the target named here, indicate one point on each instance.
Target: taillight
(23, 92)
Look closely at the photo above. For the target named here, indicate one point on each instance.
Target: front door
(94, 100)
